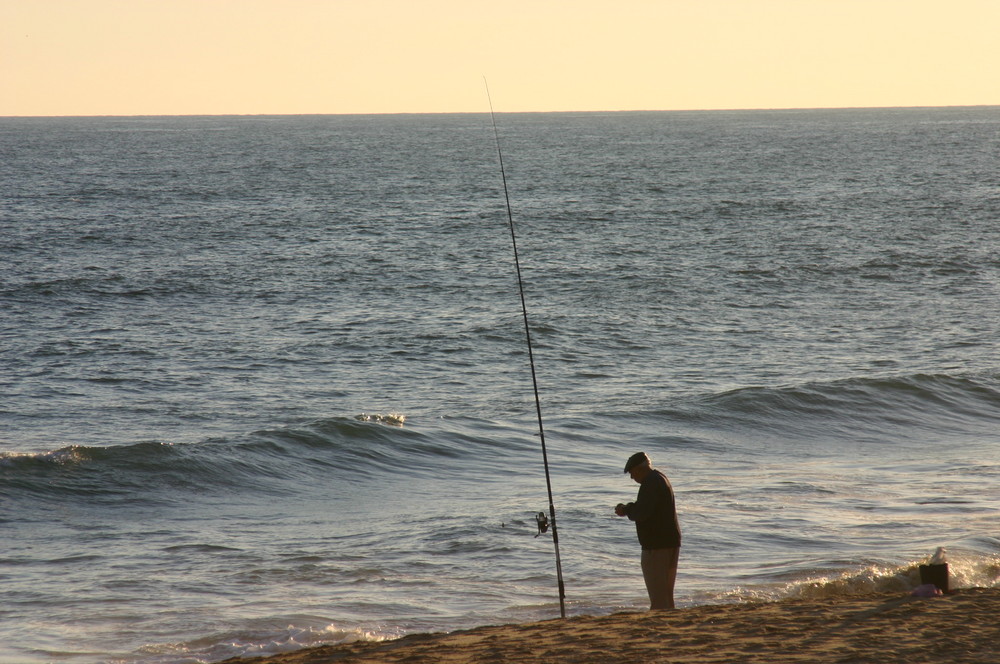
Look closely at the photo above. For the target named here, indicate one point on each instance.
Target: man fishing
(655, 516)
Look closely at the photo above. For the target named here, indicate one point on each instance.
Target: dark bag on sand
(935, 574)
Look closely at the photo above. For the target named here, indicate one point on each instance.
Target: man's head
(638, 466)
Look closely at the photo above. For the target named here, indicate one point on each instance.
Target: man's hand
(620, 509)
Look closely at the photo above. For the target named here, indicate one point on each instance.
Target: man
(655, 517)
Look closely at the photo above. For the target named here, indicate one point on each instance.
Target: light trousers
(659, 570)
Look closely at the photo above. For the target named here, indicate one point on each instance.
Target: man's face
(638, 473)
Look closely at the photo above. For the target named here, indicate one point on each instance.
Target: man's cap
(635, 460)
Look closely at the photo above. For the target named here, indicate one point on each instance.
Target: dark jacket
(655, 514)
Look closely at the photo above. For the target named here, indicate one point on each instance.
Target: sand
(960, 627)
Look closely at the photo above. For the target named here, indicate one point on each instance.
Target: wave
(262, 638)
(277, 461)
(877, 410)
(806, 419)
(869, 397)
(97, 281)
(968, 569)
(99, 473)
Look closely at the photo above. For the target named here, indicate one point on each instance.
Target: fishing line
(534, 379)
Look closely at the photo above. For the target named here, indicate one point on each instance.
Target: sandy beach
(961, 627)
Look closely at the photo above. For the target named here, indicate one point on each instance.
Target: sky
(212, 57)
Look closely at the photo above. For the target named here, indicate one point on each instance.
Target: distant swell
(863, 407)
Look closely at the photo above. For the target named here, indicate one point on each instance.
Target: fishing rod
(542, 523)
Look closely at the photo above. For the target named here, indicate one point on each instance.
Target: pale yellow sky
(178, 57)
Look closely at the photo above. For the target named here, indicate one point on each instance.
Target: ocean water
(265, 383)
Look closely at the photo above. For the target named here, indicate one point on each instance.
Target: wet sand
(885, 629)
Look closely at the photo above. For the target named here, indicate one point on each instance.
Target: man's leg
(659, 570)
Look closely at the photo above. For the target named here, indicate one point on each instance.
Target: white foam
(395, 419)
(262, 643)
(964, 571)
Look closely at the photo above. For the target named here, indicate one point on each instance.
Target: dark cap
(635, 460)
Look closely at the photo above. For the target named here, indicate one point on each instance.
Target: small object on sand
(926, 590)
(936, 571)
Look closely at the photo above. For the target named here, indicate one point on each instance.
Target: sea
(265, 382)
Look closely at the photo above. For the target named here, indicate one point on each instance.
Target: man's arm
(644, 505)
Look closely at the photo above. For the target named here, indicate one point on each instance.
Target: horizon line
(487, 112)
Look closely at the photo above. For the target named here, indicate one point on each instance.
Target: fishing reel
(543, 523)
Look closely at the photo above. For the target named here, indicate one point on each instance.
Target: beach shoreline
(962, 626)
